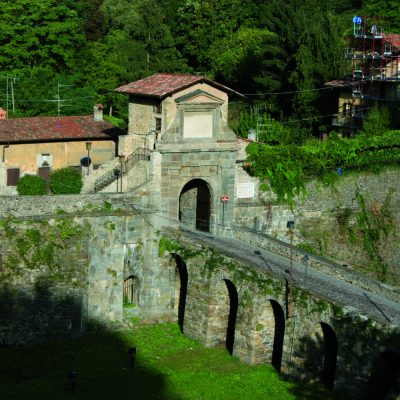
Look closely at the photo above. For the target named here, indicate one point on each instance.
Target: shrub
(65, 181)
(31, 185)
(377, 122)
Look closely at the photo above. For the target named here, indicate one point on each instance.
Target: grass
(168, 366)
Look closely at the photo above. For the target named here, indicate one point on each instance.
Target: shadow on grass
(46, 370)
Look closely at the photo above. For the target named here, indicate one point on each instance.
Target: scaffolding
(375, 74)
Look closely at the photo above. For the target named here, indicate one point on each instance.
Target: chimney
(3, 114)
(98, 112)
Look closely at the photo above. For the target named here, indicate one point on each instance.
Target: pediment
(198, 96)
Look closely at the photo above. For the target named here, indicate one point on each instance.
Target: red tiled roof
(162, 85)
(393, 39)
(337, 83)
(47, 129)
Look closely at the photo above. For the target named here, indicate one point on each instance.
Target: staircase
(139, 154)
(114, 170)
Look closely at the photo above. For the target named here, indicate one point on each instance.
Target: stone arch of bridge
(384, 379)
(195, 204)
(268, 333)
(224, 303)
(314, 352)
(330, 355)
(181, 285)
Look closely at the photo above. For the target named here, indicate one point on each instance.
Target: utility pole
(58, 97)
(10, 80)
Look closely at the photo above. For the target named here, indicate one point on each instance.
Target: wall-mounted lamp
(290, 224)
(88, 147)
(6, 146)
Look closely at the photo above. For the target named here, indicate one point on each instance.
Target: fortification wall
(332, 221)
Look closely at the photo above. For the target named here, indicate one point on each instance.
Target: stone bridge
(66, 261)
(115, 258)
(266, 308)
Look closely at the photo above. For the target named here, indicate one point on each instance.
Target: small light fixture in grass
(132, 356)
(72, 376)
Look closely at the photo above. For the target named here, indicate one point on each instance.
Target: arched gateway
(182, 120)
(195, 205)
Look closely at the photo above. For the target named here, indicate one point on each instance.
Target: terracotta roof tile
(44, 129)
(393, 39)
(161, 85)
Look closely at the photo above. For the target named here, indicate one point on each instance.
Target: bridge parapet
(318, 263)
(338, 334)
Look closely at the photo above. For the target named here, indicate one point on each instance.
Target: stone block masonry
(247, 310)
(327, 219)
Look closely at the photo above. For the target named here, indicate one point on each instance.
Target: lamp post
(6, 146)
(88, 147)
(121, 161)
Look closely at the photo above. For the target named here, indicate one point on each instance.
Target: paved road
(324, 286)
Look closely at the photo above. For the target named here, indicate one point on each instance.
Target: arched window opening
(131, 295)
(195, 205)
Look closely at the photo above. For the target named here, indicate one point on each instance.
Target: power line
(349, 84)
(170, 217)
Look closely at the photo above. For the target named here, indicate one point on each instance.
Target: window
(158, 124)
(130, 291)
(158, 108)
(44, 160)
(12, 176)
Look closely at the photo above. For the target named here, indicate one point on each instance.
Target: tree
(313, 47)
(200, 24)
(377, 122)
(36, 93)
(145, 44)
(38, 33)
(387, 9)
(246, 60)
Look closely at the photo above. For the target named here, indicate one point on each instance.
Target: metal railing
(139, 154)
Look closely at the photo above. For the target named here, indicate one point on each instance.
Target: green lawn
(168, 366)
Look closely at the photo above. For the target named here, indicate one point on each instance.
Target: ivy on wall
(365, 230)
(285, 169)
(36, 246)
(210, 263)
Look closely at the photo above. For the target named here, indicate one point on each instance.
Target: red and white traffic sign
(224, 198)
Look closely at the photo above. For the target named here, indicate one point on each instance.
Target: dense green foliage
(286, 167)
(168, 366)
(78, 52)
(31, 185)
(65, 181)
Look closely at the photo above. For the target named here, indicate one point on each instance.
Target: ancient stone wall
(321, 341)
(63, 266)
(328, 220)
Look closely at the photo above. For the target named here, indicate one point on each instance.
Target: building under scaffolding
(373, 73)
